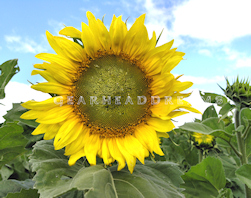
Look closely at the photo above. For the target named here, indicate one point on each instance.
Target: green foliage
(12, 142)
(31, 193)
(15, 113)
(182, 152)
(227, 107)
(5, 172)
(13, 186)
(209, 113)
(210, 126)
(7, 70)
(54, 177)
(244, 174)
(204, 179)
(213, 98)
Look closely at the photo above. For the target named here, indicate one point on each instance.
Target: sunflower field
(108, 129)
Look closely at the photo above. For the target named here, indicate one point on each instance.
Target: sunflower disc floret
(115, 95)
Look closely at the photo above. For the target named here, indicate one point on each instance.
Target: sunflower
(203, 140)
(114, 95)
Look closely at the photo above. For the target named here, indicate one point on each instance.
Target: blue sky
(214, 34)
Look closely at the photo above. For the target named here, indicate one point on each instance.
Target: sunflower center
(112, 95)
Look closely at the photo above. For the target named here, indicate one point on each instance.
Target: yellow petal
(157, 52)
(117, 32)
(161, 125)
(147, 135)
(79, 143)
(51, 87)
(106, 155)
(53, 43)
(60, 74)
(53, 58)
(75, 157)
(130, 159)
(71, 49)
(55, 115)
(67, 133)
(71, 32)
(134, 147)
(181, 86)
(173, 62)
(174, 114)
(99, 30)
(46, 104)
(90, 42)
(31, 114)
(45, 74)
(165, 135)
(51, 131)
(136, 38)
(39, 65)
(41, 129)
(116, 154)
(91, 149)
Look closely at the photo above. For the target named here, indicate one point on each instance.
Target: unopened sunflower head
(115, 92)
(203, 141)
(239, 92)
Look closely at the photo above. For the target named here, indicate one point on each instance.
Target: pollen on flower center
(111, 86)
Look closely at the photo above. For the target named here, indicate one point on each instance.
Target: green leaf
(229, 165)
(245, 114)
(214, 123)
(52, 170)
(5, 172)
(15, 113)
(196, 127)
(244, 174)
(202, 128)
(12, 186)
(21, 167)
(240, 128)
(230, 128)
(73, 194)
(31, 193)
(226, 108)
(7, 70)
(226, 193)
(184, 154)
(12, 142)
(213, 98)
(205, 179)
(55, 178)
(209, 112)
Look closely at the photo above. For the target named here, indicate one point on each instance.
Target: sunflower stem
(245, 134)
(200, 153)
(241, 145)
(235, 150)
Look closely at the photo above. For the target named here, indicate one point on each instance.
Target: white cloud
(25, 45)
(56, 25)
(245, 62)
(231, 54)
(241, 59)
(205, 52)
(18, 92)
(202, 80)
(212, 20)
(157, 19)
